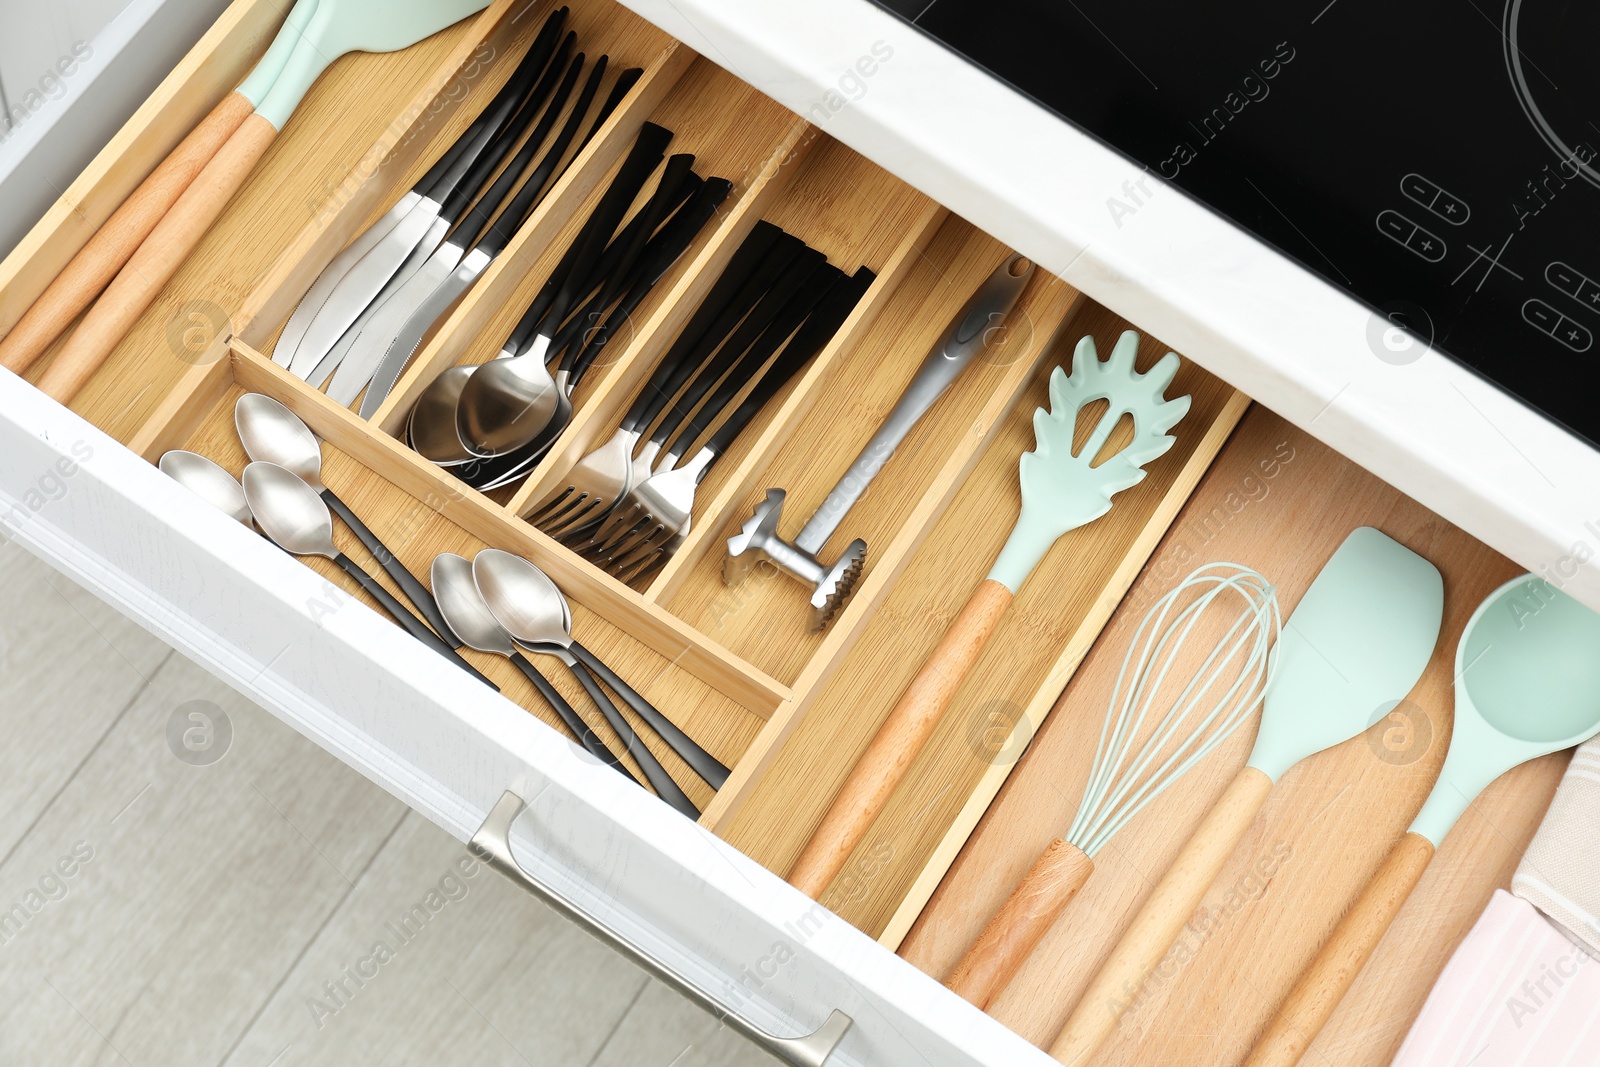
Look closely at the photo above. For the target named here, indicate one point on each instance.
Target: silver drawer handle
(492, 843)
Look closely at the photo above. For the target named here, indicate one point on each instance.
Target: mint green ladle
(1527, 684)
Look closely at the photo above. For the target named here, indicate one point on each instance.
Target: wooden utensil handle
(1027, 915)
(898, 740)
(114, 242)
(1323, 984)
(156, 260)
(1120, 980)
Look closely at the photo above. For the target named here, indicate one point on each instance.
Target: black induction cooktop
(1437, 159)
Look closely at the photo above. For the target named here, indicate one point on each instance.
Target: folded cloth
(1517, 993)
(1560, 872)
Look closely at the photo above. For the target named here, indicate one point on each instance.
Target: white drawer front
(447, 746)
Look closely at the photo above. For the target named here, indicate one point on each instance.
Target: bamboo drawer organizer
(734, 667)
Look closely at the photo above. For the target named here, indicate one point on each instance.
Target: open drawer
(788, 710)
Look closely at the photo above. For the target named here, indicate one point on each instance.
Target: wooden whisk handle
(898, 740)
(1120, 981)
(1019, 925)
(98, 261)
(1324, 983)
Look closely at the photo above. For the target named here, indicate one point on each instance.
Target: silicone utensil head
(1062, 491)
(341, 26)
(1355, 645)
(1527, 684)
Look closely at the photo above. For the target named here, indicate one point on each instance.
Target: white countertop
(1303, 348)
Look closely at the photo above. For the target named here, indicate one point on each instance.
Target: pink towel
(1518, 993)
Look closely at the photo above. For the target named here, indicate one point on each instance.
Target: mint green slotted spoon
(1527, 684)
(1061, 491)
(337, 27)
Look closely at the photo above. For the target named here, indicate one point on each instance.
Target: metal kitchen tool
(431, 426)
(337, 27)
(271, 432)
(209, 482)
(658, 508)
(99, 260)
(290, 512)
(1154, 733)
(470, 617)
(1060, 492)
(832, 583)
(533, 611)
(456, 264)
(489, 246)
(353, 282)
(1527, 673)
(1357, 642)
(508, 403)
(599, 480)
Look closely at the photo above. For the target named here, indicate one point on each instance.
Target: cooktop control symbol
(1574, 284)
(1547, 320)
(1403, 231)
(1452, 209)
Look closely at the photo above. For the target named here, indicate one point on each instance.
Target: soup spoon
(470, 617)
(291, 513)
(271, 432)
(1527, 684)
(209, 482)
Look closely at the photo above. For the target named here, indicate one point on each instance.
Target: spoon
(526, 611)
(532, 610)
(1527, 684)
(470, 617)
(291, 513)
(208, 481)
(273, 433)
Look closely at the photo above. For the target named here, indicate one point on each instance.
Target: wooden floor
(270, 908)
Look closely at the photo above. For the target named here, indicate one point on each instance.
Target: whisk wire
(1126, 776)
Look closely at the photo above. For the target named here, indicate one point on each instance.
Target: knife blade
(420, 255)
(289, 340)
(359, 364)
(410, 337)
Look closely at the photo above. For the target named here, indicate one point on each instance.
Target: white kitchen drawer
(79, 488)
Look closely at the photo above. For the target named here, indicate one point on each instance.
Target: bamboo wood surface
(899, 740)
(1170, 905)
(1025, 917)
(114, 243)
(1280, 502)
(157, 260)
(1318, 992)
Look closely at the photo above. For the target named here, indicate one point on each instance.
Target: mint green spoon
(337, 27)
(1527, 684)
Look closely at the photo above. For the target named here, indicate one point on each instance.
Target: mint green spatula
(1357, 642)
(337, 27)
(1061, 490)
(1527, 684)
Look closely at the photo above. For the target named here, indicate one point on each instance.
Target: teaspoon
(208, 481)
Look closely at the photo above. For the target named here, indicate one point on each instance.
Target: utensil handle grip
(898, 741)
(701, 761)
(116, 241)
(414, 590)
(1118, 983)
(412, 625)
(157, 260)
(580, 729)
(1027, 915)
(1323, 984)
(654, 773)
